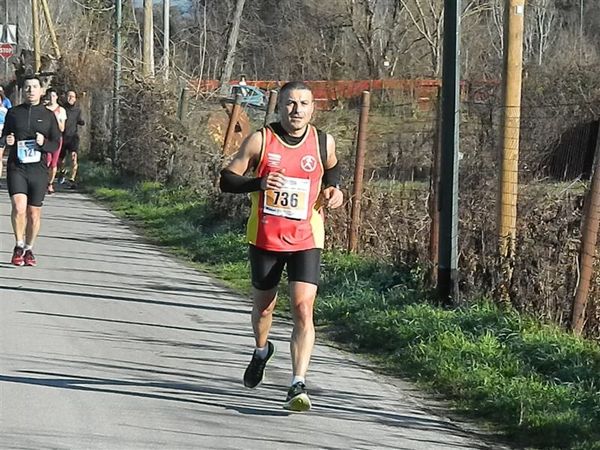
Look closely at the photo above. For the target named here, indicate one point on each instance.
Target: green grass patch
(535, 382)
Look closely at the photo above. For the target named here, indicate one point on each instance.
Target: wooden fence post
(235, 114)
(359, 169)
(434, 195)
(589, 238)
(271, 106)
(182, 107)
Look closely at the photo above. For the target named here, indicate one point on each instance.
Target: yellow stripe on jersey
(252, 224)
(318, 229)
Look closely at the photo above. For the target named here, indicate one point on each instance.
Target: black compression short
(31, 180)
(70, 144)
(267, 266)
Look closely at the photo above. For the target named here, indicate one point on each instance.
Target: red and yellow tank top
(289, 219)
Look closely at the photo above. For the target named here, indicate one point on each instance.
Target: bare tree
(540, 30)
(495, 22)
(232, 41)
(379, 29)
(427, 17)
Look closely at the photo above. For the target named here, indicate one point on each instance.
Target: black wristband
(331, 177)
(238, 184)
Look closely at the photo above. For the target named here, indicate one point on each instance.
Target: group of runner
(69, 118)
(289, 168)
(38, 134)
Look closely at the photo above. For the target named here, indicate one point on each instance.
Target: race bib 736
(291, 201)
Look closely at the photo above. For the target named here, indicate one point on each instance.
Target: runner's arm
(80, 120)
(233, 177)
(52, 139)
(9, 127)
(246, 158)
(332, 193)
(62, 119)
(9, 124)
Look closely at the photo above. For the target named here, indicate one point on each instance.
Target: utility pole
(231, 45)
(448, 193)
(50, 24)
(6, 34)
(37, 47)
(167, 37)
(514, 13)
(580, 31)
(117, 81)
(148, 52)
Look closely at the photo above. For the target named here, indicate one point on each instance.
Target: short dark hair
(293, 86)
(50, 91)
(32, 77)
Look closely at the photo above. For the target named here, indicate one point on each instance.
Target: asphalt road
(109, 343)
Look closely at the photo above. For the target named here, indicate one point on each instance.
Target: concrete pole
(447, 279)
(117, 80)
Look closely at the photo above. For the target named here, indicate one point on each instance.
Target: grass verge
(536, 383)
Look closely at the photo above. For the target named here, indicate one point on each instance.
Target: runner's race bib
(27, 153)
(291, 201)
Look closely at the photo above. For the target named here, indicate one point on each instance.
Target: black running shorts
(70, 144)
(267, 266)
(31, 180)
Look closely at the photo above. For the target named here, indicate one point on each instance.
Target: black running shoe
(297, 398)
(255, 372)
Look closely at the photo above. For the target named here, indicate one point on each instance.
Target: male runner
(61, 118)
(70, 144)
(3, 111)
(295, 173)
(30, 130)
(5, 100)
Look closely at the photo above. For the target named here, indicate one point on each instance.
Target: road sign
(6, 50)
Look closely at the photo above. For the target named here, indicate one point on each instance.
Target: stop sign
(6, 50)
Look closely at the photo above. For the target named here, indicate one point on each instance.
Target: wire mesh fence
(557, 144)
(556, 152)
